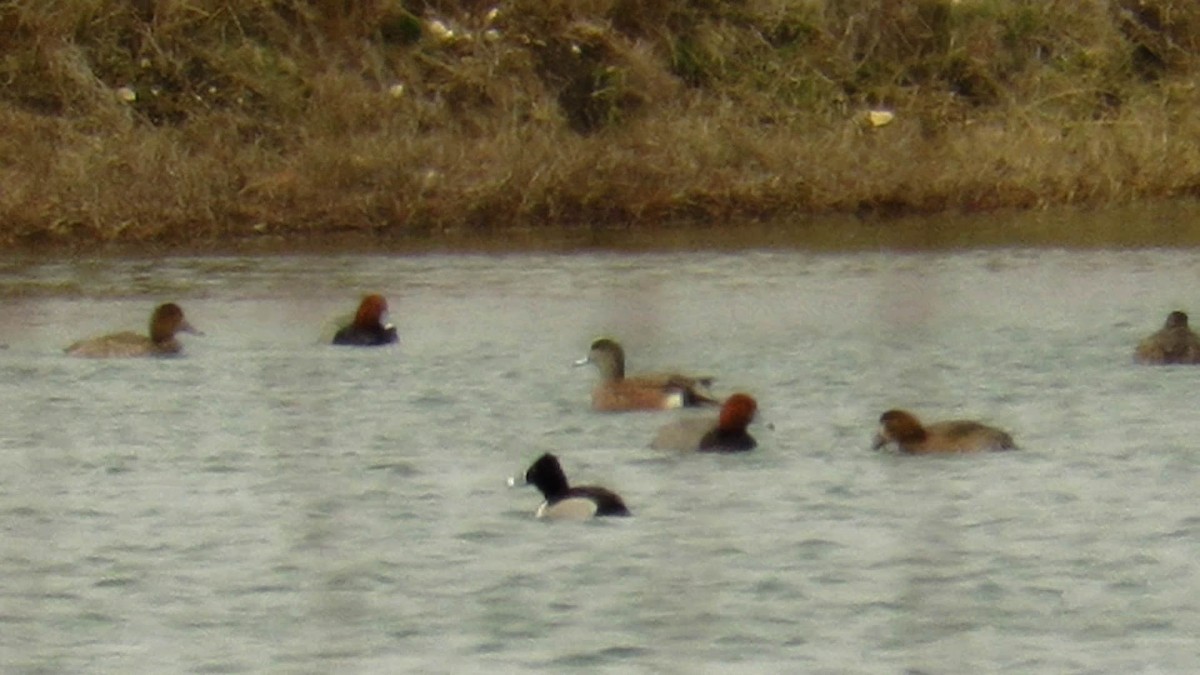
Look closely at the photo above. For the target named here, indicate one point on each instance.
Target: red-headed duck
(615, 392)
(370, 327)
(564, 502)
(910, 437)
(724, 433)
(1173, 343)
(165, 322)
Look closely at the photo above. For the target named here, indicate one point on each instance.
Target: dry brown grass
(317, 117)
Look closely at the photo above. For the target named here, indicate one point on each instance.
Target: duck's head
(898, 426)
(547, 476)
(737, 413)
(372, 312)
(167, 320)
(608, 357)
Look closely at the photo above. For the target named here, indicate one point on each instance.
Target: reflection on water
(1161, 224)
(310, 509)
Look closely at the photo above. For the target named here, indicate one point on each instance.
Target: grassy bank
(182, 121)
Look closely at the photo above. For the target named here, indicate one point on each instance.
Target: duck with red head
(725, 433)
(1173, 343)
(370, 327)
(166, 321)
(564, 502)
(617, 393)
(903, 429)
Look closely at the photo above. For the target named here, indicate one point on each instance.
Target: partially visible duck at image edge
(166, 321)
(564, 502)
(902, 428)
(1173, 343)
(615, 392)
(370, 327)
(724, 433)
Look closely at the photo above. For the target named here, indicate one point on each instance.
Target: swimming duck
(370, 327)
(564, 502)
(903, 429)
(1173, 343)
(165, 322)
(616, 392)
(725, 433)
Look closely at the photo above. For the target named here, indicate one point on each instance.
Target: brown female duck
(166, 321)
(1173, 343)
(911, 437)
(615, 392)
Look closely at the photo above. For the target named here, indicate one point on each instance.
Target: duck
(166, 321)
(370, 327)
(616, 393)
(902, 428)
(564, 502)
(1173, 343)
(725, 433)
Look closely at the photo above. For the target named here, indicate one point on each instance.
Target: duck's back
(126, 344)
(727, 441)
(967, 436)
(1169, 345)
(356, 336)
(608, 503)
(683, 434)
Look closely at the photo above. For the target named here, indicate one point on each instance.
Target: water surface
(271, 504)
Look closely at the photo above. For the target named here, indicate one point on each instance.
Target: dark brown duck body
(166, 321)
(903, 429)
(1174, 343)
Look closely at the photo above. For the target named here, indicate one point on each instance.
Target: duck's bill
(759, 422)
(516, 481)
(879, 441)
(583, 362)
(186, 327)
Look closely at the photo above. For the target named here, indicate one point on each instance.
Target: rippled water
(271, 504)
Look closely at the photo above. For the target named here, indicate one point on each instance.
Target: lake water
(271, 504)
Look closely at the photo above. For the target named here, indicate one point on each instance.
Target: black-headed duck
(911, 437)
(564, 502)
(615, 392)
(370, 327)
(724, 433)
(1173, 343)
(166, 321)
